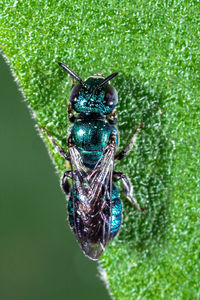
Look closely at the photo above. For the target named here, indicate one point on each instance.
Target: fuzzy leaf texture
(154, 45)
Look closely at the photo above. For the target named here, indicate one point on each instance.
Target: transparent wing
(92, 201)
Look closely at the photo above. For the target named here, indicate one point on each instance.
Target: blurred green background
(39, 256)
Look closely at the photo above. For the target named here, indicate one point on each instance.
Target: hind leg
(68, 191)
(127, 188)
(65, 183)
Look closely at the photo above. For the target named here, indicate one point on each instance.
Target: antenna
(74, 75)
(106, 80)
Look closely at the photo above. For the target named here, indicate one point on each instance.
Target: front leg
(112, 119)
(127, 188)
(71, 116)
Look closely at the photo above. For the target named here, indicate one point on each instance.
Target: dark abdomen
(96, 217)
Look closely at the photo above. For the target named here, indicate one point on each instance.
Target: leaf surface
(154, 45)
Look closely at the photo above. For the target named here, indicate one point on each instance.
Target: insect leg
(59, 149)
(71, 116)
(65, 183)
(128, 147)
(127, 188)
(73, 83)
(113, 117)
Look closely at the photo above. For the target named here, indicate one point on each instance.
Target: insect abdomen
(116, 212)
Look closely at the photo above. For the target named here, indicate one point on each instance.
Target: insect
(94, 205)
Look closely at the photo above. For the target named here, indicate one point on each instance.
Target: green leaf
(155, 48)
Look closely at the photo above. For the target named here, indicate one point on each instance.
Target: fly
(94, 205)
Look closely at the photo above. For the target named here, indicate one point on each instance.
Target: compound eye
(74, 93)
(111, 98)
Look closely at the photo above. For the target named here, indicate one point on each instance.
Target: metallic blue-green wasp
(94, 205)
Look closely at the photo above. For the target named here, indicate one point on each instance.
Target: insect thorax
(91, 138)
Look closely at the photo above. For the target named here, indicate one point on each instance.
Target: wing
(92, 201)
